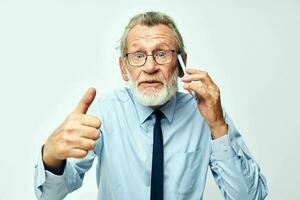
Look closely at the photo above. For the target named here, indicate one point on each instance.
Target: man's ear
(184, 58)
(122, 65)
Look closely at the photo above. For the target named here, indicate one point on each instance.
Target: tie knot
(158, 115)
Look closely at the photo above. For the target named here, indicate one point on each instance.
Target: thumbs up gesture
(75, 136)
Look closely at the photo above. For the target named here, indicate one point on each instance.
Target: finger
(92, 121)
(89, 133)
(187, 88)
(77, 153)
(86, 120)
(195, 75)
(193, 71)
(85, 144)
(199, 88)
(198, 77)
(86, 101)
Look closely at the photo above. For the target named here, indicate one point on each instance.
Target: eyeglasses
(138, 59)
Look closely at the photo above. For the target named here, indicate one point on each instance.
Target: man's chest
(127, 154)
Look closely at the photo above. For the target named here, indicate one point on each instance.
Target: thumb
(86, 101)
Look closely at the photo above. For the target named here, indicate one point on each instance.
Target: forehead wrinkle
(157, 45)
(150, 37)
(161, 41)
(143, 35)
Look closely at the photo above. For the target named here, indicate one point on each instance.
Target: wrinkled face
(151, 81)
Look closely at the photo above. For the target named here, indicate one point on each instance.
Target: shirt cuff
(53, 178)
(221, 148)
(42, 175)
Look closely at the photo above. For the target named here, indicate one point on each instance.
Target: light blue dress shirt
(124, 153)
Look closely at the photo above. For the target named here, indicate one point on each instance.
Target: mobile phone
(181, 64)
(181, 67)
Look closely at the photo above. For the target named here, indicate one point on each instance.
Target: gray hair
(151, 19)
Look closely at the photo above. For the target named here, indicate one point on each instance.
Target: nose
(150, 66)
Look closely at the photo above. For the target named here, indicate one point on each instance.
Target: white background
(52, 51)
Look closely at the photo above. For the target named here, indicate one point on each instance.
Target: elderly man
(152, 142)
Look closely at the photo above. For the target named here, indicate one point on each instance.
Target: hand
(210, 102)
(75, 136)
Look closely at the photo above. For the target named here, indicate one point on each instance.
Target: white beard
(156, 97)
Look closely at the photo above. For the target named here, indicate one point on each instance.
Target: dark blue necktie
(157, 175)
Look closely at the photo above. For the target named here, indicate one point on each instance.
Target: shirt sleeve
(235, 171)
(49, 186)
(56, 187)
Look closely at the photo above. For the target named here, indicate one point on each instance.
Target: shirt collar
(145, 111)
